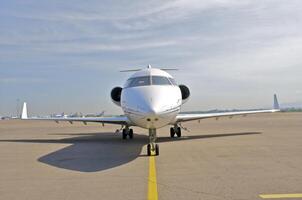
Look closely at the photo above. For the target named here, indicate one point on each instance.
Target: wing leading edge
(191, 117)
(122, 120)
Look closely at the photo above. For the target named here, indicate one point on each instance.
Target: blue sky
(66, 55)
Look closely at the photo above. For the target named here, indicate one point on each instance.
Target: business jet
(151, 99)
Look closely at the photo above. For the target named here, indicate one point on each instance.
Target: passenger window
(160, 80)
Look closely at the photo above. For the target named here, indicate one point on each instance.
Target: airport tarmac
(238, 158)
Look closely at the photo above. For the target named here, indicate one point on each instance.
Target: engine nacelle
(185, 93)
(116, 95)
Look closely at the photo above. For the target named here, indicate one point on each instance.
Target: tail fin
(276, 104)
(24, 111)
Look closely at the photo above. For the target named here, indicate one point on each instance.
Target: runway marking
(280, 196)
(152, 184)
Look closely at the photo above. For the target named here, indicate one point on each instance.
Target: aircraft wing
(191, 117)
(122, 120)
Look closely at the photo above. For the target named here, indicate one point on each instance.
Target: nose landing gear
(176, 130)
(152, 147)
(127, 132)
(151, 152)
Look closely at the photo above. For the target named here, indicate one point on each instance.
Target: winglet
(24, 111)
(276, 104)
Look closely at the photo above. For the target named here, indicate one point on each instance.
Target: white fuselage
(151, 106)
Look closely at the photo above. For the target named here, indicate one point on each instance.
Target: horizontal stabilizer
(149, 67)
(169, 69)
(131, 70)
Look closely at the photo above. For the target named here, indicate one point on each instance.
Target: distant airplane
(60, 115)
(151, 99)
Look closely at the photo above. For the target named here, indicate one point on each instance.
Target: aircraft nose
(153, 109)
(151, 115)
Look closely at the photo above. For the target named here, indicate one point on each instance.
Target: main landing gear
(176, 130)
(152, 147)
(127, 132)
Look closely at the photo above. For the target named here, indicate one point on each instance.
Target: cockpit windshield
(160, 80)
(138, 81)
(149, 80)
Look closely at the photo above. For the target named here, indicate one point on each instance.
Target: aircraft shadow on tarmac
(92, 152)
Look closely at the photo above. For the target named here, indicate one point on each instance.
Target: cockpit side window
(128, 82)
(172, 81)
(160, 80)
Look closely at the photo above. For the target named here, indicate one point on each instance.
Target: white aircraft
(151, 99)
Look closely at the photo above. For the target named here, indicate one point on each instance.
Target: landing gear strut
(152, 147)
(127, 132)
(176, 130)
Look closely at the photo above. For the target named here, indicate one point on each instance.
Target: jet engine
(185, 93)
(116, 95)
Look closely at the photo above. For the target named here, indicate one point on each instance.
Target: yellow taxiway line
(153, 194)
(280, 196)
(152, 184)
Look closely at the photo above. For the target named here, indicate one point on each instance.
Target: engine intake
(116, 95)
(185, 93)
